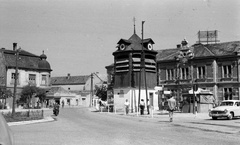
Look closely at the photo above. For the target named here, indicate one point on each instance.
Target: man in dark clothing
(142, 106)
(148, 106)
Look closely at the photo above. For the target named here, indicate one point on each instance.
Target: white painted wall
(24, 77)
(133, 97)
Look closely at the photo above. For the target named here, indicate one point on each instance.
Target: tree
(41, 94)
(101, 92)
(4, 94)
(27, 93)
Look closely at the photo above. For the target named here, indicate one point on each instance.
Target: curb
(46, 119)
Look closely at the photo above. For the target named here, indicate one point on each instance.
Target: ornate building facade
(214, 67)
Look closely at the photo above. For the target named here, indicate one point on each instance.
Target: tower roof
(135, 42)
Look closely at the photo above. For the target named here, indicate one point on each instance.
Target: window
(201, 72)
(227, 71)
(44, 80)
(228, 93)
(170, 74)
(32, 79)
(184, 73)
(13, 78)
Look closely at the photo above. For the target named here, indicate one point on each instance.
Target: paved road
(79, 126)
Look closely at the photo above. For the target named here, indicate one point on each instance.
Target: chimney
(14, 46)
(68, 76)
(178, 45)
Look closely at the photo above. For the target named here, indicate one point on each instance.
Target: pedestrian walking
(148, 106)
(171, 107)
(126, 104)
(142, 106)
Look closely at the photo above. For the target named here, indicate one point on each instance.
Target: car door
(237, 113)
(6, 135)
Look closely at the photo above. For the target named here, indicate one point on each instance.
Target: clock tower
(135, 73)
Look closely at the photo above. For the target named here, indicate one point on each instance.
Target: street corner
(46, 119)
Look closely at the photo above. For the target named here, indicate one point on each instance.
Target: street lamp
(91, 90)
(17, 51)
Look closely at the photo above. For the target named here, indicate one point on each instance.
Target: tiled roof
(54, 90)
(26, 60)
(167, 54)
(227, 48)
(135, 42)
(85, 93)
(23, 62)
(200, 50)
(69, 80)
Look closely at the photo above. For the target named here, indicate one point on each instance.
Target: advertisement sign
(208, 36)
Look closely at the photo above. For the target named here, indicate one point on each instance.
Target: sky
(79, 36)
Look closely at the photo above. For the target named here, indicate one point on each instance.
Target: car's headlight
(209, 110)
(225, 111)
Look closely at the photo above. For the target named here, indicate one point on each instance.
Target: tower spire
(134, 19)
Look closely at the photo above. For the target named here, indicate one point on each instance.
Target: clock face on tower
(122, 46)
(149, 46)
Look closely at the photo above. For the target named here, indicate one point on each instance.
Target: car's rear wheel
(230, 116)
(214, 118)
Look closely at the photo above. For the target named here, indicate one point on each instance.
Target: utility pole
(91, 90)
(15, 79)
(140, 71)
(144, 69)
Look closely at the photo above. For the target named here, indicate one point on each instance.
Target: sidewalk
(199, 121)
(47, 116)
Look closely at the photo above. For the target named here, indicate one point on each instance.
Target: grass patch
(24, 116)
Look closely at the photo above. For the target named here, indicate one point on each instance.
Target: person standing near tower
(142, 106)
(126, 104)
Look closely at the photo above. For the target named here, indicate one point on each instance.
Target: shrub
(24, 116)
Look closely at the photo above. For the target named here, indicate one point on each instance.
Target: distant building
(32, 70)
(74, 90)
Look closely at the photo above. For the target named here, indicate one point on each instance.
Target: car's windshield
(226, 104)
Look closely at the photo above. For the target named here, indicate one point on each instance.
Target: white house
(32, 69)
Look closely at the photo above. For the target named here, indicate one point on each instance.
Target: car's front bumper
(219, 114)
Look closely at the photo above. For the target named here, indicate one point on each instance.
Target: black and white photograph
(119, 72)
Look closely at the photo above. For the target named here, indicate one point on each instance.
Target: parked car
(6, 136)
(227, 108)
